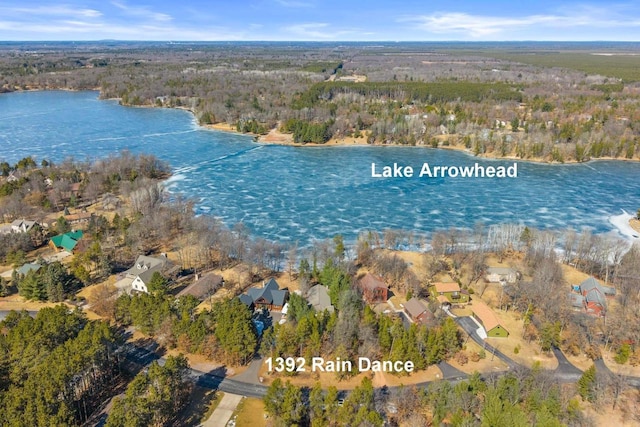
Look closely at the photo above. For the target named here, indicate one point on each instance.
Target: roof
(77, 217)
(246, 300)
(576, 300)
(28, 267)
(500, 270)
(591, 283)
(369, 281)
(23, 224)
(446, 287)
(415, 307)
(443, 300)
(202, 287)
(145, 266)
(318, 297)
(67, 241)
(270, 292)
(278, 297)
(593, 291)
(485, 314)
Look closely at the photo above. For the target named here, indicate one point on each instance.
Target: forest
(492, 101)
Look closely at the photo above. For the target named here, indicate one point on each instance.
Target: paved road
(144, 356)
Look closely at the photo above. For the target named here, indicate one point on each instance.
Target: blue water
(302, 194)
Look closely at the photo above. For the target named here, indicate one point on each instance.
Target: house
(595, 296)
(22, 226)
(27, 268)
(450, 290)
(79, 217)
(373, 288)
(110, 202)
(487, 318)
(67, 241)
(203, 287)
(269, 296)
(417, 311)
(318, 297)
(247, 300)
(17, 226)
(502, 275)
(143, 270)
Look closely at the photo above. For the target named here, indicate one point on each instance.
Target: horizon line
(316, 41)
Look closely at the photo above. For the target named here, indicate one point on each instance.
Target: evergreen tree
(587, 384)
(158, 283)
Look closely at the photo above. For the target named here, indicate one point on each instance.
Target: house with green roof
(66, 241)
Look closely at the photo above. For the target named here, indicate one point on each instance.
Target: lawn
(250, 413)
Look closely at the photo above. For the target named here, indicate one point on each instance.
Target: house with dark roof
(67, 241)
(143, 270)
(373, 288)
(203, 287)
(487, 318)
(318, 297)
(449, 290)
(595, 296)
(269, 296)
(417, 311)
(247, 300)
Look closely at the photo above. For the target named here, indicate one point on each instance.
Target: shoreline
(275, 137)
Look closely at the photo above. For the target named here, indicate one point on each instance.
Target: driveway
(565, 370)
(58, 256)
(124, 286)
(224, 411)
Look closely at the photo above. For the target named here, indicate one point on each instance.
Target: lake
(304, 193)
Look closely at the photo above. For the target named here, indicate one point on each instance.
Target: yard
(250, 413)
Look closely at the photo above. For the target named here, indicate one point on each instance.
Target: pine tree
(587, 384)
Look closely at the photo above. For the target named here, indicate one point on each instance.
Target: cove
(305, 193)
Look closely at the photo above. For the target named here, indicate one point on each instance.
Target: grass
(250, 413)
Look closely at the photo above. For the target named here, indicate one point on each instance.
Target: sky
(319, 20)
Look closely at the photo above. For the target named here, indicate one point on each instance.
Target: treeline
(522, 398)
(432, 92)
(56, 368)
(52, 182)
(225, 333)
(491, 107)
(304, 132)
(155, 396)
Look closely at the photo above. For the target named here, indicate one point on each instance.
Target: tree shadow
(194, 413)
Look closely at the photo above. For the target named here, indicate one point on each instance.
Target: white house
(22, 225)
(17, 226)
(143, 270)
